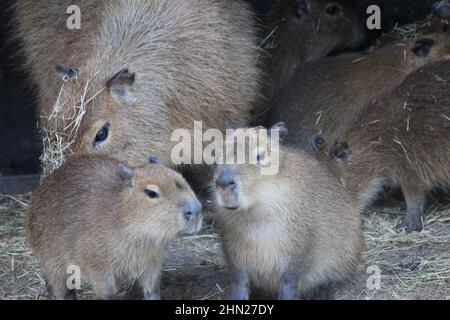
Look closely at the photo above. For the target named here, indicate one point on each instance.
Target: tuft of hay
(409, 31)
(62, 126)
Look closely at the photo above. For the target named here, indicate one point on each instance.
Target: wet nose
(301, 9)
(192, 209)
(226, 179)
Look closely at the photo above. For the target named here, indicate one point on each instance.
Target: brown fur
(328, 95)
(193, 60)
(294, 228)
(297, 40)
(400, 139)
(91, 214)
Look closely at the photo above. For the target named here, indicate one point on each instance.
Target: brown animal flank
(305, 30)
(327, 96)
(401, 139)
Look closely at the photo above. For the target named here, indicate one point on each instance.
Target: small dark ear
(441, 9)
(155, 160)
(340, 151)
(126, 174)
(65, 73)
(281, 127)
(317, 141)
(423, 47)
(121, 86)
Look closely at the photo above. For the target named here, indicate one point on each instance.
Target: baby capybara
(139, 70)
(401, 139)
(305, 30)
(111, 221)
(295, 233)
(328, 95)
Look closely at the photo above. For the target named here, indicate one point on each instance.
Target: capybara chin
(110, 221)
(400, 139)
(295, 233)
(145, 69)
(305, 30)
(326, 96)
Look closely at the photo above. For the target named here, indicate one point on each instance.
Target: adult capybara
(400, 139)
(326, 96)
(305, 30)
(138, 70)
(110, 221)
(295, 233)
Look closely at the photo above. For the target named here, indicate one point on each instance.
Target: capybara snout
(173, 192)
(227, 193)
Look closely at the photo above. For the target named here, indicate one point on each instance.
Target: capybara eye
(151, 194)
(333, 9)
(102, 135)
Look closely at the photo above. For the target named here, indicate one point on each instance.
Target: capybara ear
(155, 160)
(281, 127)
(422, 47)
(317, 141)
(126, 174)
(65, 73)
(441, 9)
(340, 151)
(121, 86)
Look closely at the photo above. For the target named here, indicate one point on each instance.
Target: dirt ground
(413, 266)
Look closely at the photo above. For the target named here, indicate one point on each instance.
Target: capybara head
(316, 28)
(163, 196)
(155, 67)
(239, 183)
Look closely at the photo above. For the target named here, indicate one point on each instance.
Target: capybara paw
(410, 225)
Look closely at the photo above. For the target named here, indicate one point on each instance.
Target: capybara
(400, 139)
(295, 234)
(327, 95)
(109, 220)
(138, 70)
(305, 30)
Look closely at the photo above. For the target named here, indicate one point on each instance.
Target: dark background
(19, 141)
(19, 144)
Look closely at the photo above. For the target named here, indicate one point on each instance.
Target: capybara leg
(57, 287)
(289, 287)
(150, 284)
(321, 292)
(105, 288)
(240, 285)
(415, 201)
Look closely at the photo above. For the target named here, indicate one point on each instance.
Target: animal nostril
(188, 215)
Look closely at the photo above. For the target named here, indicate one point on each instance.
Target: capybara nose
(226, 179)
(193, 209)
(301, 9)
